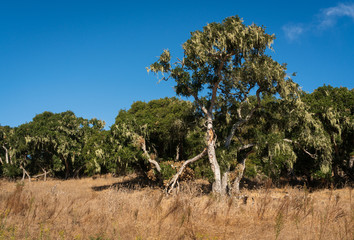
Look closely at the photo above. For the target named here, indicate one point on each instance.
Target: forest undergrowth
(122, 208)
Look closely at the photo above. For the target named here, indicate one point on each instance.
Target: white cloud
(341, 10)
(293, 32)
(329, 16)
(326, 18)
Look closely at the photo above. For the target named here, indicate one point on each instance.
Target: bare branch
(200, 105)
(45, 172)
(314, 156)
(25, 173)
(173, 181)
(245, 146)
(143, 147)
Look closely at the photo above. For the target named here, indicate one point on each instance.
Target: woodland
(237, 115)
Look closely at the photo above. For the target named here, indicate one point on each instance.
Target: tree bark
(225, 183)
(240, 168)
(217, 186)
(66, 168)
(6, 155)
(177, 152)
(155, 163)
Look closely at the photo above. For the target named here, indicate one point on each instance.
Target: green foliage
(166, 126)
(202, 170)
(252, 168)
(321, 124)
(167, 171)
(229, 50)
(10, 171)
(126, 148)
(52, 142)
(334, 108)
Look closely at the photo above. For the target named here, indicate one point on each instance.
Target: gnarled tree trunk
(217, 185)
(240, 168)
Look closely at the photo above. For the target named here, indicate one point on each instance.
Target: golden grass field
(118, 208)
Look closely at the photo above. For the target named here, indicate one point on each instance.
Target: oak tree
(222, 65)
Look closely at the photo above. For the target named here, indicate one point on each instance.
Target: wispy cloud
(329, 16)
(326, 18)
(292, 31)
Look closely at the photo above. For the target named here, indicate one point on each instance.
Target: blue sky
(90, 56)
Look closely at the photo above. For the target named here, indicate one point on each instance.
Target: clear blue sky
(90, 56)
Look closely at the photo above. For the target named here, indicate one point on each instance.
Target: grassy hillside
(120, 208)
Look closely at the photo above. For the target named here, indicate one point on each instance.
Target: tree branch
(143, 147)
(216, 86)
(173, 181)
(42, 174)
(242, 120)
(238, 124)
(6, 154)
(25, 173)
(205, 111)
(196, 98)
(314, 156)
(245, 146)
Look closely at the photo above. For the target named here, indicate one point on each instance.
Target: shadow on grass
(140, 182)
(132, 183)
(204, 187)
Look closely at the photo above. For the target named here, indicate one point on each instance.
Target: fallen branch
(42, 174)
(24, 174)
(174, 180)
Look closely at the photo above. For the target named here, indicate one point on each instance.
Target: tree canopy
(222, 65)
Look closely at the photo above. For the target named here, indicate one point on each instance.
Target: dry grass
(105, 208)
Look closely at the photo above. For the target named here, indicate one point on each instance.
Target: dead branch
(24, 174)
(143, 147)
(45, 172)
(174, 180)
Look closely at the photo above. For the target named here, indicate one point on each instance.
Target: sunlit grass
(105, 209)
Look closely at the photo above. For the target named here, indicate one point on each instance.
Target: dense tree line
(169, 131)
(246, 117)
